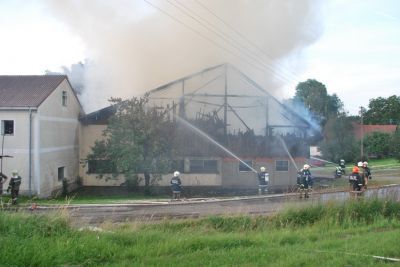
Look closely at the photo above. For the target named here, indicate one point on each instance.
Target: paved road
(194, 208)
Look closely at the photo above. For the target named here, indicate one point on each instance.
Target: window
(282, 165)
(244, 167)
(203, 166)
(100, 166)
(177, 165)
(61, 174)
(64, 98)
(7, 127)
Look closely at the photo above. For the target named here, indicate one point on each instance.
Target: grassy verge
(332, 235)
(81, 199)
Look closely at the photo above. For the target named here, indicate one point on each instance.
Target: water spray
(206, 136)
(323, 160)
(287, 151)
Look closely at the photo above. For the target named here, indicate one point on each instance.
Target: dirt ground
(151, 211)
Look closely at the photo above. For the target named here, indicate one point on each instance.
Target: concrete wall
(232, 177)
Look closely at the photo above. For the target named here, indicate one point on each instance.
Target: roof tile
(27, 90)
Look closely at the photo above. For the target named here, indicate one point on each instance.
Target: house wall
(56, 140)
(91, 133)
(232, 177)
(227, 176)
(17, 146)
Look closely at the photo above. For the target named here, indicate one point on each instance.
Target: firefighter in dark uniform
(354, 178)
(363, 174)
(367, 173)
(176, 186)
(263, 180)
(15, 182)
(342, 165)
(305, 181)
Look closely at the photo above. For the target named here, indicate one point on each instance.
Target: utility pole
(362, 133)
(226, 105)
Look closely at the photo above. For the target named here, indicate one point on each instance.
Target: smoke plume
(135, 46)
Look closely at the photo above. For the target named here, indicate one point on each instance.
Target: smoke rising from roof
(135, 46)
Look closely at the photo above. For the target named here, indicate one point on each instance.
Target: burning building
(229, 127)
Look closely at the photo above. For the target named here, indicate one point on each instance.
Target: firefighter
(176, 186)
(263, 179)
(342, 165)
(338, 172)
(15, 182)
(361, 182)
(367, 172)
(354, 179)
(306, 181)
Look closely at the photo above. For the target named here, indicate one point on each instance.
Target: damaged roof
(17, 91)
(99, 117)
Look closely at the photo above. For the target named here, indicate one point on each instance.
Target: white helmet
(14, 172)
(306, 166)
(176, 174)
(360, 164)
(262, 169)
(365, 163)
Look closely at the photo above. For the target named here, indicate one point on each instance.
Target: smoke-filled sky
(132, 46)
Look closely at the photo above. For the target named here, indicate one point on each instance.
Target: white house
(40, 131)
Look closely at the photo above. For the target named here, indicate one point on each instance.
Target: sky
(353, 47)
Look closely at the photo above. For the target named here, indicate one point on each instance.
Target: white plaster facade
(48, 133)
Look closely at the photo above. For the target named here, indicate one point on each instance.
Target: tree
(339, 142)
(136, 141)
(314, 96)
(383, 111)
(377, 143)
(395, 144)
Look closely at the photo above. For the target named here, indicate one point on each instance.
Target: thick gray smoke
(135, 47)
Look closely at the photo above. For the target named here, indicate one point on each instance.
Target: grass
(330, 235)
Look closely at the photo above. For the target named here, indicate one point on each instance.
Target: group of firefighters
(13, 185)
(359, 176)
(358, 179)
(304, 182)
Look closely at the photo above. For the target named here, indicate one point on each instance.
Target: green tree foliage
(383, 111)
(314, 96)
(377, 144)
(395, 144)
(339, 141)
(137, 140)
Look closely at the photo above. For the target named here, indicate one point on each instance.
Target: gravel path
(89, 214)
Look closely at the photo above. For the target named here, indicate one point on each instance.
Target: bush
(378, 144)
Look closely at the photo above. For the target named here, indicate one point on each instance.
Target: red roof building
(362, 130)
